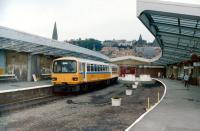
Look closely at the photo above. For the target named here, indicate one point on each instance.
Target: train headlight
(54, 78)
(75, 78)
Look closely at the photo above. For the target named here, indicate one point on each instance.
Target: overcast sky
(99, 19)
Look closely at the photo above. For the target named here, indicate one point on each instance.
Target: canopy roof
(133, 60)
(176, 28)
(23, 42)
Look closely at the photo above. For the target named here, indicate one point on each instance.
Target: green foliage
(89, 44)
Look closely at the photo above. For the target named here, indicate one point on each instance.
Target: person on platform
(186, 79)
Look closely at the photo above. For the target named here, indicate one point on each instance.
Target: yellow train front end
(65, 74)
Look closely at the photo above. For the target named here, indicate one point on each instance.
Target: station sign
(196, 64)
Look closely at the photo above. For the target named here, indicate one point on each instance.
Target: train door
(84, 72)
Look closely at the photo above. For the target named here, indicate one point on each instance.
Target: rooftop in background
(23, 42)
(133, 60)
(175, 26)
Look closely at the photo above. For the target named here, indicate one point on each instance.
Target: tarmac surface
(179, 110)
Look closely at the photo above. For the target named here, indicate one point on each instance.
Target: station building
(176, 29)
(138, 65)
(23, 54)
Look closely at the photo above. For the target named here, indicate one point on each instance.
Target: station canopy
(133, 60)
(175, 26)
(23, 42)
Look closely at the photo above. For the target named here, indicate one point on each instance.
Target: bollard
(158, 96)
(148, 103)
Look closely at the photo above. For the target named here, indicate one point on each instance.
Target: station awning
(133, 60)
(23, 42)
(176, 28)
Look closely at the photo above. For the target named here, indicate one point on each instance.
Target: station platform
(13, 92)
(178, 111)
(17, 86)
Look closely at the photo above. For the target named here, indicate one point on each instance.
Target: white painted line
(23, 89)
(142, 116)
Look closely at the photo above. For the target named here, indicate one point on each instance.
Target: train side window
(88, 67)
(92, 67)
(100, 67)
(95, 67)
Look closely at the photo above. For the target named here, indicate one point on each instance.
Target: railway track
(24, 104)
(15, 106)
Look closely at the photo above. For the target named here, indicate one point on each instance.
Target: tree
(91, 44)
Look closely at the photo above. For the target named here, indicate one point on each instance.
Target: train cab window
(65, 66)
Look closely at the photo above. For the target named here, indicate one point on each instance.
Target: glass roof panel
(188, 23)
(188, 32)
(165, 19)
(198, 25)
(168, 29)
(172, 39)
(197, 34)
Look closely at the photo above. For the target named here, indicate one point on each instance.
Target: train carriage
(74, 73)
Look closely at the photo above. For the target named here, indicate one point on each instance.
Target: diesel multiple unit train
(75, 74)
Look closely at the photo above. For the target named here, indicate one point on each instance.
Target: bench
(45, 76)
(4, 77)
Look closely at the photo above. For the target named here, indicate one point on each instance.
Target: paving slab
(178, 111)
(19, 85)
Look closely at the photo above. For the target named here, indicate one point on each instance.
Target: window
(92, 67)
(65, 66)
(114, 69)
(95, 67)
(100, 67)
(104, 68)
(107, 68)
(88, 67)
